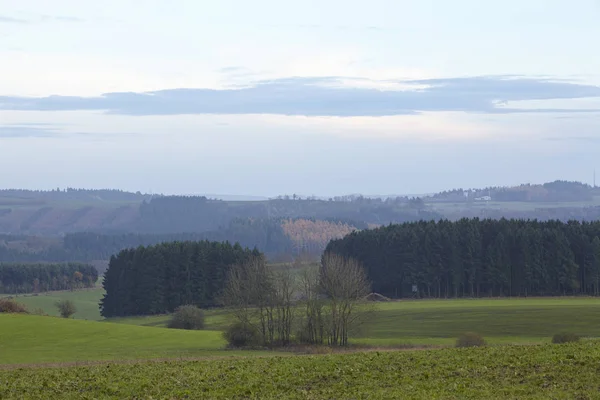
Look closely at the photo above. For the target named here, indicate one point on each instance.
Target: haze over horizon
(324, 98)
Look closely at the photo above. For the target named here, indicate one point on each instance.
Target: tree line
(158, 279)
(556, 191)
(281, 239)
(33, 278)
(478, 257)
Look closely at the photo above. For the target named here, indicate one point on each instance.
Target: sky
(274, 97)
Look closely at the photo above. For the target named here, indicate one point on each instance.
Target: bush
(8, 305)
(565, 337)
(187, 317)
(470, 339)
(66, 308)
(242, 335)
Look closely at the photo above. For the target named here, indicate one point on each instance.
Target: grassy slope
(35, 339)
(408, 322)
(439, 322)
(86, 302)
(523, 372)
(499, 320)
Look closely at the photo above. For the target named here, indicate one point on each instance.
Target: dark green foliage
(30, 278)
(10, 306)
(240, 335)
(478, 258)
(66, 308)
(470, 339)
(187, 317)
(158, 279)
(565, 337)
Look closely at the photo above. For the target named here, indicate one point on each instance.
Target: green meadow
(32, 339)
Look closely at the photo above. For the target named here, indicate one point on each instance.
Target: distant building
(483, 198)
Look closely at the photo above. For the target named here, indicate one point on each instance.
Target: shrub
(242, 335)
(187, 317)
(8, 305)
(38, 311)
(66, 308)
(565, 337)
(470, 339)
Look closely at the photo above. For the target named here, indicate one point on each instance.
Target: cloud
(39, 19)
(61, 18)
(232, 69)
(328, 96)
(578, 138)
(11, 20)
(27, 130)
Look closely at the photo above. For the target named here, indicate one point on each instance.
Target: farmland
(30, 339)
(535, 372)
(439, 322)
(85, 300)
(392, 324)
(398, 323)
(137, 357)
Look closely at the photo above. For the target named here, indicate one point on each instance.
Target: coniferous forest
(478, 258)
(33, 278)
(157, 279)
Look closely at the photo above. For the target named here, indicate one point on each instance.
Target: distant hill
(58, 212)
(557, 191)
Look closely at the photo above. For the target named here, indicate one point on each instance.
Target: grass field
(506, 372)
(86, 301)
(28, 339)
(499, 320)
(407, 322)
(439, 322)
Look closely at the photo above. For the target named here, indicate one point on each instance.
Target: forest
(556, 191)
(281, 239)
(176, 214)
(477, 258)
(157, 279)
(34, 278)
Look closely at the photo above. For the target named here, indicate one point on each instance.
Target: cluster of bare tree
(314, 306)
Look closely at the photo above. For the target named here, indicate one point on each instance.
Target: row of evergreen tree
(33, 278)
(158, 279)
(476, 258)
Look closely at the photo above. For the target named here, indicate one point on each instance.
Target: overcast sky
(327, 97)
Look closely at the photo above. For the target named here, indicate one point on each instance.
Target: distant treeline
(473, 257)
(174, 214)
(157, 279)
(69, 194)
(280, 238)
(59, 212)
(557, 191)
(32, 278)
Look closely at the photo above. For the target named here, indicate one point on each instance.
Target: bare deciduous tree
(344, 283)
(285, 287)
(313, 323)
(262, 299)
(331, 304)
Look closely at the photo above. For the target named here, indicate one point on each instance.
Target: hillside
(91, 225)
(36, 339)
(58, 212)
